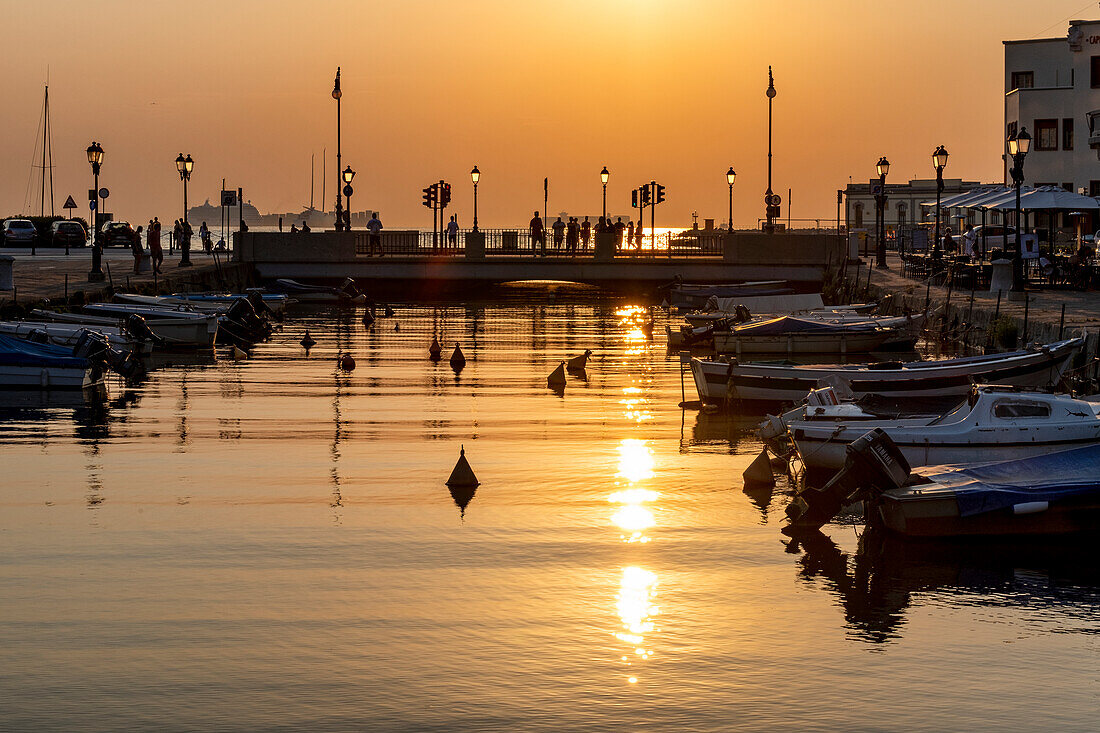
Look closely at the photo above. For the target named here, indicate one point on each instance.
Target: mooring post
(1027, 302)
(1062, 322)
(947, 303)
(66, 287)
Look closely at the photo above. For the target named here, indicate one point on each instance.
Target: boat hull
(912, 515)
(841, 343)
(49, 378)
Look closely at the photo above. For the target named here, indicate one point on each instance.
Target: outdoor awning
(1056, 198)
(968, 197)
(1003, 198)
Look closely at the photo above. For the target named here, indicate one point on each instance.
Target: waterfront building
(906, 203)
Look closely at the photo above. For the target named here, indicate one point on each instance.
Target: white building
(1052, 87)
(903, 204)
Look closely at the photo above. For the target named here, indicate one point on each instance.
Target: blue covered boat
(29, 365)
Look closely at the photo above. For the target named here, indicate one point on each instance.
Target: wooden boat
(719, 380)
(195, 332)
(30, 365)
(792, 335)
(993, 423)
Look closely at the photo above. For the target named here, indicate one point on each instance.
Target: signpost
(69, 205)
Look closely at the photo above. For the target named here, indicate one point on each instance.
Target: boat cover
(988, 487)
(20, 352)
(793, 324)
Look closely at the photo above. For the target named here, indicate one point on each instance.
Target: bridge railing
(519, 242)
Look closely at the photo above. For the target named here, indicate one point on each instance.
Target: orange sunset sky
(671, 90)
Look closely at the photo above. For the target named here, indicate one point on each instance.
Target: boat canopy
(20, 352)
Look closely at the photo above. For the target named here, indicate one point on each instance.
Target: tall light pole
(731, 176)
(883, 167)
(939, 162)
(771, 205)
(604, 175)
(348, 175)
(1018, 146)
(336, 94)
(95, 157)
(475, 176)
(185, 166)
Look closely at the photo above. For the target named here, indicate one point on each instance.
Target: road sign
(91, 194)
(348, 190)
(104, 193)
(69, 203)
(91, 204)
(229, 198)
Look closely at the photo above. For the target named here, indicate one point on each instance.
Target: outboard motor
(259, 305)
(741, 314)
(873, 465)
(244, 324)
(348, 289)
(38, 336)
(139, 330)
(95, 347)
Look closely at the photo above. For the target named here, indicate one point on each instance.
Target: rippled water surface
(269, 544)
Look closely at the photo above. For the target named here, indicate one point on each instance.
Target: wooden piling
(1027, 303)
(1062, 322)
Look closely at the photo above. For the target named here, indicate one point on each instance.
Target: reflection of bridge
(504, 256)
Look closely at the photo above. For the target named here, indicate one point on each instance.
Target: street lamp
(731, 176)
(337, 94)
(939, 162)
(883, 167)
(604, 175)
(185, 166)
(1018, 146)
(95, 157)
(475, 176)
(348, 175)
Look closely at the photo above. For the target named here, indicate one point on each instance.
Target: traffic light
(645, 195)
(429, 196)
(445, 195)
(634, 199)
(660, 195)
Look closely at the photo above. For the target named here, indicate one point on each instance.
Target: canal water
(269, 544)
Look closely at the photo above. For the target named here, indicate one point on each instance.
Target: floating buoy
(458, 359)
(647, 329)
(368, 317)
(556, 380)
(462, 475)
(578, 363)
(389, 311)
(759, 472)
(307, 341)
(397, 327)
(347, 362)
(239, 354)
(435, 350)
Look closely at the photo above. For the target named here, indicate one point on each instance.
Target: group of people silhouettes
(569, 235)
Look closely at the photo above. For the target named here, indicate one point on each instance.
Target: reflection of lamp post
(185, 166)
(348, 175)
(1018, 146)
(731, 176)
(604, 175)
(883, 167)
(95, 157)
(939, 162)
(475, 176)
(336, 94)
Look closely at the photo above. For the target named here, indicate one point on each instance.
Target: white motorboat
(991, 424)
(28, 364)
(720, 380)
(792, 335)
(68, 334)
(197, 331)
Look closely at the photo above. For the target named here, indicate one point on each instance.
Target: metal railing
(520, 242)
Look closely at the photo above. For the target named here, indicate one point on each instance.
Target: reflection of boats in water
(887, 574)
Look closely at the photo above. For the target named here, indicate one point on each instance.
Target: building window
(1010, 130)
(1067, 133)
(1046, 134)
(1095, 69)
(1094, 188)
(1023, 79)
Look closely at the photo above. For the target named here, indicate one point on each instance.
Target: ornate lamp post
(1018, 146)
(185, 166)
(475, 176)
(731, 176)
(771, 200)
(604, 175)
(883, 167)
(348, 175)
(337, 94)
(95, 157)
(939, 162)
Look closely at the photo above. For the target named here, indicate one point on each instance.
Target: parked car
(19, 232)
(116, 233)
(996, 237)
(68, 233)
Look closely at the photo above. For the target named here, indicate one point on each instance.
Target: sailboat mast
(312, 156)
(324, 176)
(49, 144)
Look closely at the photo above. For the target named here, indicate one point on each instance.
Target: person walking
(152, 241)
(638, 236)
(629, 232)
(538, 234)
(135, 247)
(452, 232)
(186, 232)
(619, 228)
(586, 232)
(559, 232)
(374, 235)
(572, 236)
(177, 236)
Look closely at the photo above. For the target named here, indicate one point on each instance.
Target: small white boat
(195, 332)
(30, 365)
(719, 380)
(992, 423)
(68, 334)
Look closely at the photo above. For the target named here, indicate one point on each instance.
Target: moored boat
(346, 294)
(792, 335)
(31, 365)
(68, 334)
(196, 331)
